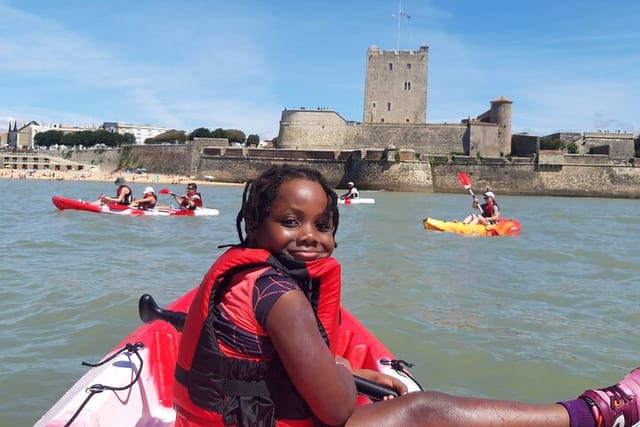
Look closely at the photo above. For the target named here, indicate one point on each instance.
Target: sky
(570, 65)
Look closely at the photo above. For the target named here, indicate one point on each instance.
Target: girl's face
(299, 226)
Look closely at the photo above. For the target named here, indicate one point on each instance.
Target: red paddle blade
(464, 179)
(164, 191)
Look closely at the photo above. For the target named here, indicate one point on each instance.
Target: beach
(96, 174)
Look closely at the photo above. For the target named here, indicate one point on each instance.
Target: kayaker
(352, 192)
(191, 200)
(148, 201)
(490, 211)
(256, 348)
(124, 194)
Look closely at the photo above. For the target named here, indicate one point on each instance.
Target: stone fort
(394, 148)
(395, 114)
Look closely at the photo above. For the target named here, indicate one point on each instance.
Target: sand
(98, 175)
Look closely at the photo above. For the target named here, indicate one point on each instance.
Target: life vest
(148, 205)
(488, 211)
(128, 198)
(196, 200)
(213, 388)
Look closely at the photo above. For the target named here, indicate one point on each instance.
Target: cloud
(69, 74)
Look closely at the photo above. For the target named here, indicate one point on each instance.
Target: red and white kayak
(64, 203)
(357, 201)
(133, 387)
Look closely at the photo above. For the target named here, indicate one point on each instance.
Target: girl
(256, 345)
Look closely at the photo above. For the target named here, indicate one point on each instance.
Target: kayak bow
(133, 385)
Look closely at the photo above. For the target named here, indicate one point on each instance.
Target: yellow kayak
(503, 227)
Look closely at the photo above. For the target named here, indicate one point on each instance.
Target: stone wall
(553, 173)
(307, 129)
(106, 159)
(423, 139)
(483, 139)
(524, 145)
(574, 177)
(301, 129)
(620, 144)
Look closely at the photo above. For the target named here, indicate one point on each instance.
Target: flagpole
(398, 29)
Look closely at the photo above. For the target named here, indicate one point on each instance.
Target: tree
(172, 136)
(200, 133)
(127, 139)
(218, 133)
(48, 138)
(235, 135)
(253, 139)
(548, 143)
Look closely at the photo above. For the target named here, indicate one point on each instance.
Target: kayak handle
(149, 311)
(372, 389)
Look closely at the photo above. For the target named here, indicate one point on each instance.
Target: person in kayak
(256, 348)
(148, 201)
(124, 194)
(191, 200)
(490, 211)
(352, 192)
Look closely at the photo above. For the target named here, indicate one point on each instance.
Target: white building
(22, 137)
(140, 132)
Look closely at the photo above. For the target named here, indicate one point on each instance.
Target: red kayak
(64, 203)
(133, 387)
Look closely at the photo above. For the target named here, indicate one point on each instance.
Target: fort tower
(396, 86)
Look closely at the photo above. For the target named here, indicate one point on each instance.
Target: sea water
(537, 317)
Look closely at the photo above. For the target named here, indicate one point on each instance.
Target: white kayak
(357, 201)
(132, 386)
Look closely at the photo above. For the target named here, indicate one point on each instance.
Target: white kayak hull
(358, 201)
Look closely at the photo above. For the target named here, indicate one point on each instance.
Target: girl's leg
(443, 410)
(614, 406)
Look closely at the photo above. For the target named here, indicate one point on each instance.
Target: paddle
(149, 310)
(165, 191)
(466, 182)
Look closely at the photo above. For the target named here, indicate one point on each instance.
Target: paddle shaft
(466, 183)
(150, 311)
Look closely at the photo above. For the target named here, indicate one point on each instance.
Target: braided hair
(259, 194)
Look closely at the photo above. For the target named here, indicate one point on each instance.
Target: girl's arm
(327, 387)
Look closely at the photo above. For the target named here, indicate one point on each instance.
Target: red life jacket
(488, 211)
(197, 202)
(213, 388)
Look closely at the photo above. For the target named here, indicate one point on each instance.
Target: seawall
(550, 173)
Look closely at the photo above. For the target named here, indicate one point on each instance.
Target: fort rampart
(549, 173)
